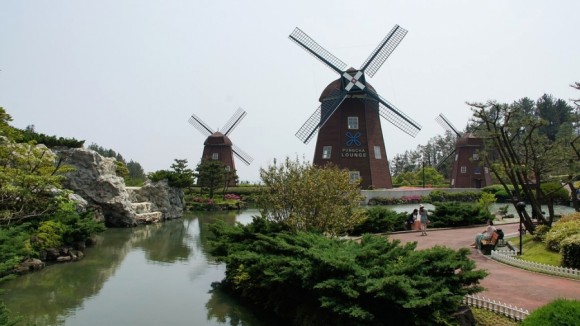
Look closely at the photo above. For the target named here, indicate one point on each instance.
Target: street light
(520, 206)
(423, 173)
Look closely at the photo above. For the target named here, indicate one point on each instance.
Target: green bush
(380, 220)
(559, 312)
(559, 232)
(310, 279)
(499, 191)
(442, 196)
(14, 247)
(458, 214)
(570, 249)
(540, 233)
(48, 235)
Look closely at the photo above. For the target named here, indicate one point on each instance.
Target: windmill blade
(320, 116)
(243, 156)
(234, 121)
(200, 125)
(394, 115)
(446, 124)
(445, 160)
(383, 50)
(316, 50)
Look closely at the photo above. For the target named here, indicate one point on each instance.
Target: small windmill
(467, 170)
(347, 121)
(218, 145)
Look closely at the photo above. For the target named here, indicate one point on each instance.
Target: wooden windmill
(218, 145)
(467, 171)
(347, 121)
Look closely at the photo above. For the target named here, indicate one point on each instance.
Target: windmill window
(378, 152)
(352, 122)
(464, 169)
(475, 157)
(228, 168)
(326, 151)
(477, 170)
(354, 176)
(215, 156)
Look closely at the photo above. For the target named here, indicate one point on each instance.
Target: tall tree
(210, 175)
(522, 152)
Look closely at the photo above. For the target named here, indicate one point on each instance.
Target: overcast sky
(127, 75)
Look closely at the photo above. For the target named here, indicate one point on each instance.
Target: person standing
(424, 218)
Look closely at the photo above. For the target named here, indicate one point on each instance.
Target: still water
(150, 275)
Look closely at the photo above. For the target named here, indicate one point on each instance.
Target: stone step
(147, 218)
(143, 207)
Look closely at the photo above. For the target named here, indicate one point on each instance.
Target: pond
(149, 275)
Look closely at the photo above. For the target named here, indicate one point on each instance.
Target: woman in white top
(485, 234)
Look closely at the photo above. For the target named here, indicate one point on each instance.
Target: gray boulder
(94, 179)
(163, 198)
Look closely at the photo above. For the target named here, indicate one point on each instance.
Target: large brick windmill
(347, 121)
(218, 145)
(467, 171)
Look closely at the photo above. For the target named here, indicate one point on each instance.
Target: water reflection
(149, 275)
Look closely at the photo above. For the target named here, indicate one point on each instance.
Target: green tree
(180, 177)
(306, 197)
(28, 178)
(520, 150)
(210, 175)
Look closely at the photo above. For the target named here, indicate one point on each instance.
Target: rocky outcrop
(163, 198)
(94, 179)
(98, 188)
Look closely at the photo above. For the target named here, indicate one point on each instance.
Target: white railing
(536, 267)
(509, 311)
(506, 252)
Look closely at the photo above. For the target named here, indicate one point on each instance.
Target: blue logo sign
(353, 139)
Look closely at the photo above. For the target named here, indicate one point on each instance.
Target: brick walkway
(521, 288)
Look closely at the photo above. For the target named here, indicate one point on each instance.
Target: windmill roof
(217, 138)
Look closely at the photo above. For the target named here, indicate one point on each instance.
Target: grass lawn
(488, 318)
(536, 251)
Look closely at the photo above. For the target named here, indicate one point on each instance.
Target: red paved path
(521, 288)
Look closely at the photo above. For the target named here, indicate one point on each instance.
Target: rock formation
(94, 180)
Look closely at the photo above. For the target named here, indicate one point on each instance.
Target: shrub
(556, 313)
(570, 217)
(14, 247)
(540, 233)
(499, 191)
(311, 279)
(379, 220)
(559, 232)
(48, 235)
(570, 249)
(442, 196)
(458, 214)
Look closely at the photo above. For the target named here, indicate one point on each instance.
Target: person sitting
(489, 230)
(411, 219)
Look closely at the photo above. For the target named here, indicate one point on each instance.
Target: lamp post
(520, 206)
(423, 173)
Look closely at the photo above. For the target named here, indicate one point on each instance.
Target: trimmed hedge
(570, 249)
(556, 313)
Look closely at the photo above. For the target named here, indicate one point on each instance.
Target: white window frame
(215, 156)
(326, 152)
(475, 156)
(352, 122)
(464, 169)
(354, 176)
(378, 155)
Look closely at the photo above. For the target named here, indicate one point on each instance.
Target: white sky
(127, 75)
